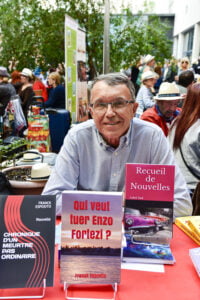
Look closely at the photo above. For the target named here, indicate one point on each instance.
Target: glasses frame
(112, 105)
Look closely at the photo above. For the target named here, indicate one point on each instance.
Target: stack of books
(191, 226)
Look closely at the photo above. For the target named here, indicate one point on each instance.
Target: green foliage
(34, 35)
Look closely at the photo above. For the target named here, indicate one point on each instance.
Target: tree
(35, 35)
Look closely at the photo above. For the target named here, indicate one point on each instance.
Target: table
(178, 282)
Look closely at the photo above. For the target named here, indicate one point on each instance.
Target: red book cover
(27, 241)
(149, 182)
(148, 215)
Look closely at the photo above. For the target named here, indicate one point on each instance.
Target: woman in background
(184, 137)
(26, 91)
(56, 97)
(39, 88)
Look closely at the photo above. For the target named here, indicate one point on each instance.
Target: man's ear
(91, 111)
(135, 106)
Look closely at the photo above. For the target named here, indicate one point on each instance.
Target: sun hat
(148, 75)
(168, 91)
(148, 58)
(4, 72)
(27, 72)
(40, 171)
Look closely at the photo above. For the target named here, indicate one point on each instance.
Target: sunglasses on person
(184, 61)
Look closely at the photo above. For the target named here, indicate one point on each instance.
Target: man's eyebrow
(117, 98)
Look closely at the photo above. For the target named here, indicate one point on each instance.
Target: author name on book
(90, 275)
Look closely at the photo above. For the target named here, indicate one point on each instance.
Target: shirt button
(116, 153)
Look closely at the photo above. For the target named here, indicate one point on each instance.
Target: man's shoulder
(145, 126)
(81, 127)
(150, 112)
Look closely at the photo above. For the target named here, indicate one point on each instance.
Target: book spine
(194, 229)
(187, 231)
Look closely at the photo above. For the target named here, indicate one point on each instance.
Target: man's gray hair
(113, 79)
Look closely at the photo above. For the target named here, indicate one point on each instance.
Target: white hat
(148, 58)
(148, 75)
(168, 91)
(27, 72)
(40, 171)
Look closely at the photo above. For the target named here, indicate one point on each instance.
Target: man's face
(168, 108)
(112, 123)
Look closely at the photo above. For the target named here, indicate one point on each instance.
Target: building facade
(186, 30)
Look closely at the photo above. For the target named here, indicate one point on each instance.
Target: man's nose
(110, 110)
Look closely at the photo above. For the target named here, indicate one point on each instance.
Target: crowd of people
(156, 107)
(28, 88)
(175, 108)
(95, 152)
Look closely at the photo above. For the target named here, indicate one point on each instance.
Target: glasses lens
(119, 104)
(184, 62)
(116, 105)
(100, 106)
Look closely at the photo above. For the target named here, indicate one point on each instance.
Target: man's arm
(65, 173)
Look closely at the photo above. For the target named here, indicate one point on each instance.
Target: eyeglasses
(116, 105)
(184, 62)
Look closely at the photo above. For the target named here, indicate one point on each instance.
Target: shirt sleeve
(65, 173)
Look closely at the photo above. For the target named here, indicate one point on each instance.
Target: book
(91, 235)
(148, 214)
(183, 224)
(27, 241)
(195, 257)
(194, 223)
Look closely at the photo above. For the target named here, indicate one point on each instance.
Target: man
(166, 107)
(185, 79)
(95, 152)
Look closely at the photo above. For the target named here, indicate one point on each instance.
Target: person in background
(56, 97)
(185, 79)
(166, 108)
(170, 70)
(7, 89)
(16, 80)
(39, 87)
(145, 96)
(184, 66)
(197, 67)
(26, 91)
(135, 69)
(149, 62)
(148, 65)
(95, 152)
(158, 70)
(184, 137)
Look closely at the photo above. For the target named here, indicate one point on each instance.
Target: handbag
(196, 194)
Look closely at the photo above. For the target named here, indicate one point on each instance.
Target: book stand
(114, 286)
(29, 296)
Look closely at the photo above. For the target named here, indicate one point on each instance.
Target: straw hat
(168, 91)
(27, 72)
(148, 75)
(40, 171)
(148, 58)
